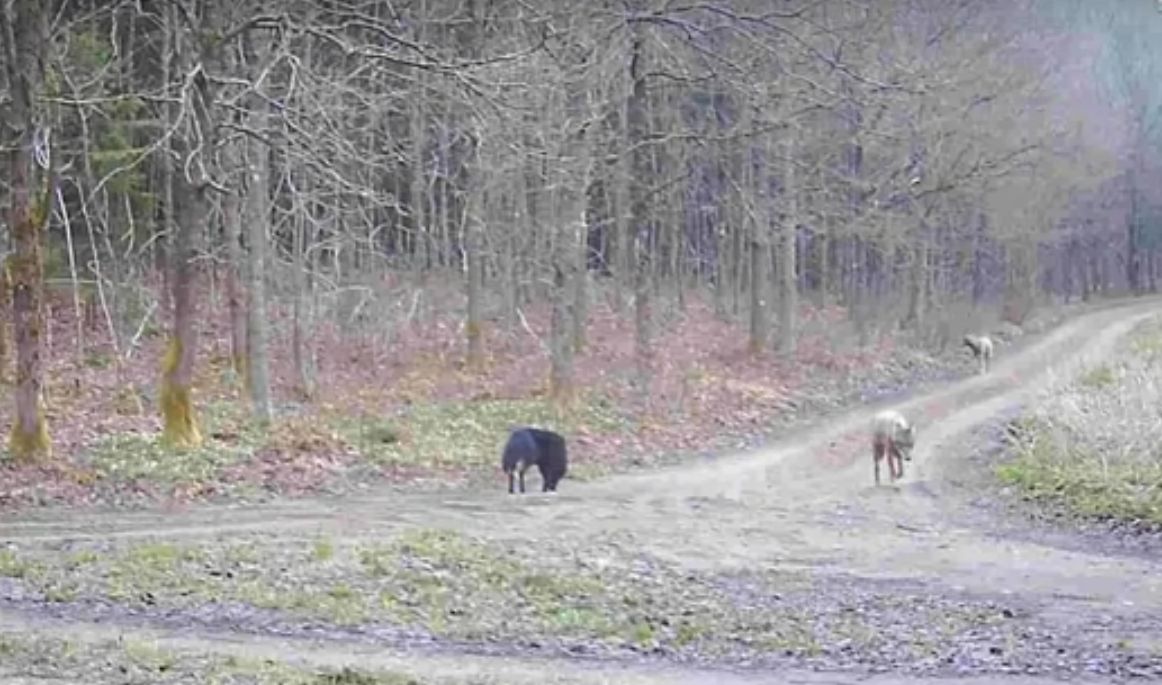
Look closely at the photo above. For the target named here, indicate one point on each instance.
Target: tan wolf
(893, 437)
(982, 349)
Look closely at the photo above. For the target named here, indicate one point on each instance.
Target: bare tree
(24, 28)
(641, 224)
(193, 181)
(257, 213)
(788, 251)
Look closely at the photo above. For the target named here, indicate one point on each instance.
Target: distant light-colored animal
(892, 437)
(982, 349)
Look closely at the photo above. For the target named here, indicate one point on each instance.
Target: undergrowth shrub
(1093, 444)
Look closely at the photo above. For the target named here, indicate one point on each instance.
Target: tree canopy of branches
(904, 160)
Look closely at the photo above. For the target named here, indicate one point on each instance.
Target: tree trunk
(1151, 273)
(1133, 252)
(474, 249)
(180, 425)
(168, 109)
(640, 224)
(301, 348)
(760, 321)
(581, 296)
(561, 384)
(235, 260)
(918, 294)
(623, 265)
(510, 274)
(5, 318)
(24, 28)
(823, 265)
(179, 421)
(571, 243)
(584, 213)
(760, 254)
(737, 258)
(788, 296)
(474, 189)
(1082, 272)
(418, 194)
(257, 222)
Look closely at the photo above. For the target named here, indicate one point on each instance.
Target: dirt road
(805, 504)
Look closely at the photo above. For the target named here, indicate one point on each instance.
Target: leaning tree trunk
(24, 29)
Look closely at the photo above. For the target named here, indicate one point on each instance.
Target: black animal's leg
(546, 477)
(510, 482)
(522, 479)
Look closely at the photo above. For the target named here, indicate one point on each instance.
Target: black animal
(529, 446)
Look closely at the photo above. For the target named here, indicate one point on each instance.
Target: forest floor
(394, 403)
(778, 564)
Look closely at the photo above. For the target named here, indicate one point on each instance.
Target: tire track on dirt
(459, 668)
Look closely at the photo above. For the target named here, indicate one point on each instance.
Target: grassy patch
(448, 585)
(141, 457)
(465, 435)
(130, 457)
(128, 661)
(238, 458)
(1093, 445)
(304, 453)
